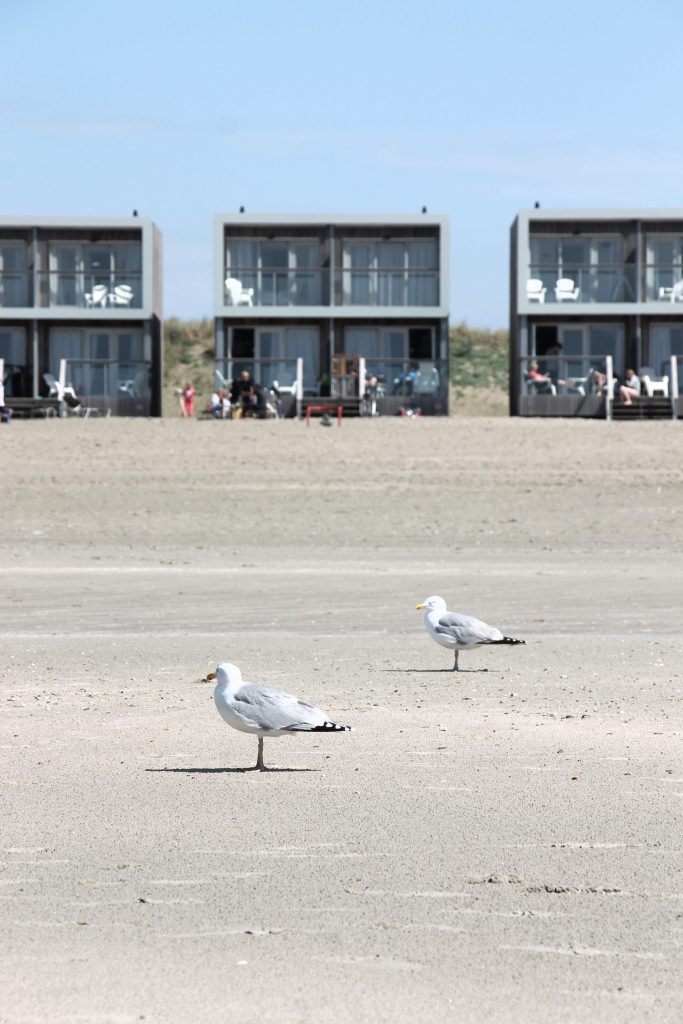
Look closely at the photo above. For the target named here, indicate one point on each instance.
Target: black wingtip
(331, 727)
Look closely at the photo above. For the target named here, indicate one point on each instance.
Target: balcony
(250, 286)
(663, 282)
(374, 287)
(79, 290)
(608, 283)
(246, 286)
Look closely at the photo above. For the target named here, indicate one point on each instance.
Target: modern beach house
(84, 296)
(592, 294)
(344, 300)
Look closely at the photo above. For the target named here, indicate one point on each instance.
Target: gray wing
(275, 710)
(465, 629)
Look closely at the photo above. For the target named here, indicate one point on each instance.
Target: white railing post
(609, 385)
(62, 378)
(674, 387)
(361, 377)
(299, 385)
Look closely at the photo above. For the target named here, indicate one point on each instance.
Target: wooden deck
(34, 407)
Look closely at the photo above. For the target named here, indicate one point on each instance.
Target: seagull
(253, 708)
(459, 632)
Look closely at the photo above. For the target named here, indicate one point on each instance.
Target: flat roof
(75, 222)
(333, 218)
(603, 213)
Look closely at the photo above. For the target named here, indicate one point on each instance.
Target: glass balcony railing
(563, 375)
(387, 288)
(113, 290)
(613, 282)
(78, 289)
(407, 377)
(663, 283)
(246, 286)
(96, 378)
(279, 373)
(249, 287)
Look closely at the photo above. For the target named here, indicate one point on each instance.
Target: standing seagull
(253, 708)
(459, 632)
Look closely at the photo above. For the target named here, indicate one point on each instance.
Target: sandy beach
(500, 845)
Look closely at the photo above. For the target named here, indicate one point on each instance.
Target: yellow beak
(419, 606)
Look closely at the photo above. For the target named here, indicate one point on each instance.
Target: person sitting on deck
(630, 389)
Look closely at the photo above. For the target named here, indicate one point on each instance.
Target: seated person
(219, 405)
(542, 382)
(253, 402)
(404, 383)
(630, 389)
(239, 385)
(598, 382)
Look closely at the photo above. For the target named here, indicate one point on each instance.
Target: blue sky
(186, 109)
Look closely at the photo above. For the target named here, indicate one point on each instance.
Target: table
(324, 408)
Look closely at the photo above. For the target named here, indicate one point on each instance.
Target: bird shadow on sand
(228, 771)
(432, 671)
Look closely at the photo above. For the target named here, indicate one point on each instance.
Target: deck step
(657, 408)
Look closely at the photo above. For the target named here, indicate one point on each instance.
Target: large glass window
(570, 353)
(16, 373)
(281, 272)
(107, 363)
(666, 341)
(102, 274)
(664, 268)
(390, 273)
(279, 348)
(593, 265)
(14, 278)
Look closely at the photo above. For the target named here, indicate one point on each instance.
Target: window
(75, 269)
(102, 363)
(17, 375)
(594, 264)
(282, 272)
(270, 354)
(390, 273)
(664, 267)
(666, 340)
(584, 347)
(14, 278)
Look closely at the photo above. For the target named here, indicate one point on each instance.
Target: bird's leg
(259, 760)
(455, 666)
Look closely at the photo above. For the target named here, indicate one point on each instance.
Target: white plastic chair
(237, 295)
(565, 290)
(121, 296)
(98, 296)
(535, 292)
(653, 385)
